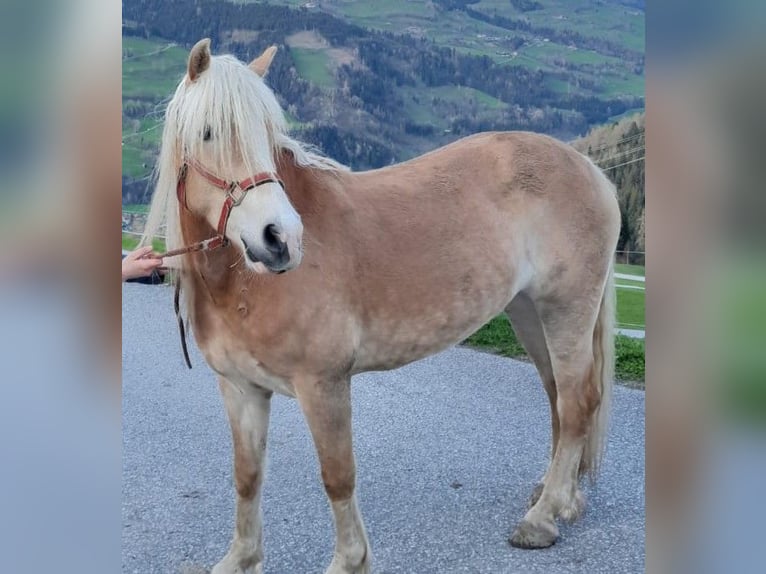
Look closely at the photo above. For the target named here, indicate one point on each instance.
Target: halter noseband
(236, 191)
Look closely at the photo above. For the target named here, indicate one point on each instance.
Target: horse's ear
(199, 58)
(261, 64)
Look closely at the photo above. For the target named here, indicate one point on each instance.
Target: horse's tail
(602, 377)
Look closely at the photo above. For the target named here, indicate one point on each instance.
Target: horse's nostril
(272, 240)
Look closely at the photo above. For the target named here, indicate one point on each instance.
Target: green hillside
(150, 72)
(598, 45)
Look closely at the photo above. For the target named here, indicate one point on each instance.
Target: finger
(146, 264)
(143, 251)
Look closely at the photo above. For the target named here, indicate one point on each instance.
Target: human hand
(140, 263)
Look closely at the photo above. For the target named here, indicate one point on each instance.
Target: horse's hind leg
(327, 408)
(248, 411)
(569, 334)
(529, 331)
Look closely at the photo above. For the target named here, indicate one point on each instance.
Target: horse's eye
(207, 135)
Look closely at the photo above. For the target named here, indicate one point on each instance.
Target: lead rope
(181, 327)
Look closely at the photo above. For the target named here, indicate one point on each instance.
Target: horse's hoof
(226, 567)
(536, 494)
(362, 569)
(529, 536)
(342, 567)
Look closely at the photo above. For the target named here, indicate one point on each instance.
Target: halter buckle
(236, 200)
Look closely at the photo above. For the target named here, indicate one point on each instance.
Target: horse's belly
(391, 344)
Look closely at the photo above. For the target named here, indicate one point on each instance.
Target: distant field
(456, 29)
(130, 242)
(313, 65)
(630, 308)
(136, 207)
(151, 70)
(154, 77)
(383, 11)
(418, 102)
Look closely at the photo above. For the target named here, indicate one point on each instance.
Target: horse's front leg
(248, 411)
(327, 408)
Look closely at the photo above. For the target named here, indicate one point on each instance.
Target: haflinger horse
(384, 267)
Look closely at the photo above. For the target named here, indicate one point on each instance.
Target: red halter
(236, 191)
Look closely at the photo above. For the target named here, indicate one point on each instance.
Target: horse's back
(501, 165)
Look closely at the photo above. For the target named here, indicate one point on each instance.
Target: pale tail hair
(603, 373)
(603, 363)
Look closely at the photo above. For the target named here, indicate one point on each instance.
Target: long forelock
(241, 112)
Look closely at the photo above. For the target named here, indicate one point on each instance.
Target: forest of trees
(619, 150)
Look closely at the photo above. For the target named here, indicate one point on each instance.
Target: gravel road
(448, 450)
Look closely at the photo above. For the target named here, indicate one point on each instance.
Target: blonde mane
(235, 105)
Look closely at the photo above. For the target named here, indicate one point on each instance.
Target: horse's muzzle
(274, 254)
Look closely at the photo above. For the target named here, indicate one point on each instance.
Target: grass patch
(136, 207)
(623, 85)
(629, 283)
(389, 9)
(463, 94)
(630, 308)
(498, 337)
(130, 242)
(314, 66)
(630, 269)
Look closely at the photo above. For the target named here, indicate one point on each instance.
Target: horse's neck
(310, 189)
(214, 267)
(319, 196)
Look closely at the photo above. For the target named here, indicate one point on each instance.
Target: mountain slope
(591, 46)
(365, 96)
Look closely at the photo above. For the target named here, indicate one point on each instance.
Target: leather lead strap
(181, 328)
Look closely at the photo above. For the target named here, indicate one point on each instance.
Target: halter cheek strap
(236, 191)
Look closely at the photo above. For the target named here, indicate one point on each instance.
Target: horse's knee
(247, 484)
(339, 482)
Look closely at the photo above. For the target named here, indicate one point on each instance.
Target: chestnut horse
(384, 267)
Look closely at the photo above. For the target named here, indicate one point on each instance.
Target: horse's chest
(238, 365)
